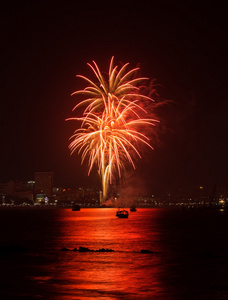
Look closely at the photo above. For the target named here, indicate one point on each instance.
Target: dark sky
(181, 44)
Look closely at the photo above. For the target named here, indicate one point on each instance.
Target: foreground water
(189, 259)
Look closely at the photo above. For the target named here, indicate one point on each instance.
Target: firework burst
(113, 122)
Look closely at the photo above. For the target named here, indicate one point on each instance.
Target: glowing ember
(112, 123)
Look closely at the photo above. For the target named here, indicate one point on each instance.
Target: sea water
(187, 254)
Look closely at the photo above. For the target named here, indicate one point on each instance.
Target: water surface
(189, 259)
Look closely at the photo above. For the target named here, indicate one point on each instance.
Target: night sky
(182, 45)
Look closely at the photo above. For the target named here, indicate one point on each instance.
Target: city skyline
(42, 182)
(182, 46)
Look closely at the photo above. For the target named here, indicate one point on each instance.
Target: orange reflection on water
(123, 273)
(100, 228)
(110, 274)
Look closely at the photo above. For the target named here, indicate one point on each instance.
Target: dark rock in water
(84, 249)
(146, 251)
(105, 250)
(64, 249)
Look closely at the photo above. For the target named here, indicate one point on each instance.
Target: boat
(76, 207)
(122, 213)
(133, 208)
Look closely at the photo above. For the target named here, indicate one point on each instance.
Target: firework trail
(112, 127)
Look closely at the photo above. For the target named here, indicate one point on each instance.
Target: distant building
(17, 190)
(26, 185)
(8, 188)
(44, 183)
(27, 194)
(13, 186)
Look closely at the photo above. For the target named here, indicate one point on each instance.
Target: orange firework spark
(111, 123)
